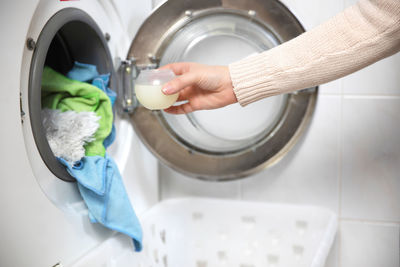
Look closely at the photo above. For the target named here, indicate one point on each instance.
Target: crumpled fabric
(101, 187)
(68, 132)
(98, 178)
(88, 73)
(62, 93)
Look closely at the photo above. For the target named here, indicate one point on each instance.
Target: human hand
(203, 86)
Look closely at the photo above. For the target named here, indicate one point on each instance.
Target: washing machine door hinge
(128, 73)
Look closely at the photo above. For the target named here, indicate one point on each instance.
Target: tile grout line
(340, 156)
(368, 221)
(340, 175)
(350, 96)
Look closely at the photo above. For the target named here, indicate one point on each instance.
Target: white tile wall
(349, 2)
(311, 13)
(309, 173)
(333, 257)
(381, 78)
(331, 88)
(348, 161)
(156, 3)
(174, 184)
(132, 13)
(369, 244)
(371, 158)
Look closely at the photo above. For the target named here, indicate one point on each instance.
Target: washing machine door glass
(219, 39)
(231, 142)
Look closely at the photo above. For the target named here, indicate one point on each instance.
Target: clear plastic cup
(148, 87)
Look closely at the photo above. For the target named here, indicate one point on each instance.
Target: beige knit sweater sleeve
(359, 36)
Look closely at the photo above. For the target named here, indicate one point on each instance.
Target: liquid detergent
(148, 89)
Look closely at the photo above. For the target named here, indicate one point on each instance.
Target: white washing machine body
(44, 220)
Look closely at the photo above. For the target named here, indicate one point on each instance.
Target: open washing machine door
(231, 142)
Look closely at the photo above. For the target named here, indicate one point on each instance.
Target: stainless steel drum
(232, 142)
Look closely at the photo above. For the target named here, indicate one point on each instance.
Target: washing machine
(44, 219)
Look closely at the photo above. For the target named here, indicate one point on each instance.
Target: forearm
(354, 39)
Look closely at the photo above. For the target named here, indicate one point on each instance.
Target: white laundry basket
(199, 232)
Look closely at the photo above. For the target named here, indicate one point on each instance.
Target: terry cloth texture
(98, 178)
(359, 36)
(67, 132)
(103, 191)
(59, 92)
(88, 73)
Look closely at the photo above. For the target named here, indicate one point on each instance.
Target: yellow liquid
(151, 97)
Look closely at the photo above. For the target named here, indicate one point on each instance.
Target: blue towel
(102, 188)
(99, 180)
(82, 72)
(101, 81)
(88, 73)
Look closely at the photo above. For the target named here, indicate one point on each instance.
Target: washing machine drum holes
(70, 35)
(217, 145)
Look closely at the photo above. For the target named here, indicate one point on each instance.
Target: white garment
(67, 132)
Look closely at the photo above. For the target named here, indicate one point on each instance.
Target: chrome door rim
(166, 21)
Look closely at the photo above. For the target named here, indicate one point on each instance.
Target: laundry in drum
(68, 132)
(62, 93)
(77, 114)
(88, 73)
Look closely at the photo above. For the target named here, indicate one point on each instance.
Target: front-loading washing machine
(44, 220)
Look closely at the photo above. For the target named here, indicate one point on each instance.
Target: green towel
(59, 92)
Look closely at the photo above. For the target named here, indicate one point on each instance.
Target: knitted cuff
(250, 79)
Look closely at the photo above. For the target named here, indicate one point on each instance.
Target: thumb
(179, 83)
